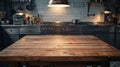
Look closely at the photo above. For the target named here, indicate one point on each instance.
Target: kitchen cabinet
(2, 4)
(46, 29)
(14, 32)
(0, 38)
(64, 29)
(29, 30)
(117, 36)
(10, 35)
(86, 30)
(106, 33)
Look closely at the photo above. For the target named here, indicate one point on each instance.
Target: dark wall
(8, 7)
(2, 8)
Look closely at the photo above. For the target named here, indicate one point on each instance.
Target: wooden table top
(59, 48)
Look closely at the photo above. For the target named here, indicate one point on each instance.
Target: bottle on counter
(28, 20)
(25, 21)
(35, 19)
(32, 20)
(39, 21)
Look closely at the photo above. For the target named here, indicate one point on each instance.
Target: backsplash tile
(78, 11)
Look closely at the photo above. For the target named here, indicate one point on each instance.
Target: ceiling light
(58, 3)
(107, 11)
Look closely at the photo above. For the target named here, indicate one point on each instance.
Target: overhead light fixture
(20, 14)
(58, 3)
(19, 11)
(107, 11)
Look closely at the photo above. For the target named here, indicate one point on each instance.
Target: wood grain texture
(59, 48)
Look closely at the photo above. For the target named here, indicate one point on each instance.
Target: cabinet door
(87, 30)
(47, 29)
(0, 35)
(58, 29)
(106, 33)
(10, 35)
(0, 39)
(2, 5)
(66, 30)
(30, 30)
(117, 43)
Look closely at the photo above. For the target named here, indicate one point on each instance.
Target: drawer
(30, 30)
(10, 38)
(9, 30)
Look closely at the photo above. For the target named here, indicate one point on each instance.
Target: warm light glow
(98, 18)
(107, 12)
(58, 40)
(28, 15)
(20, 13)
(58, 12)
(50, 1)
(58, 5)
(58, 22)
